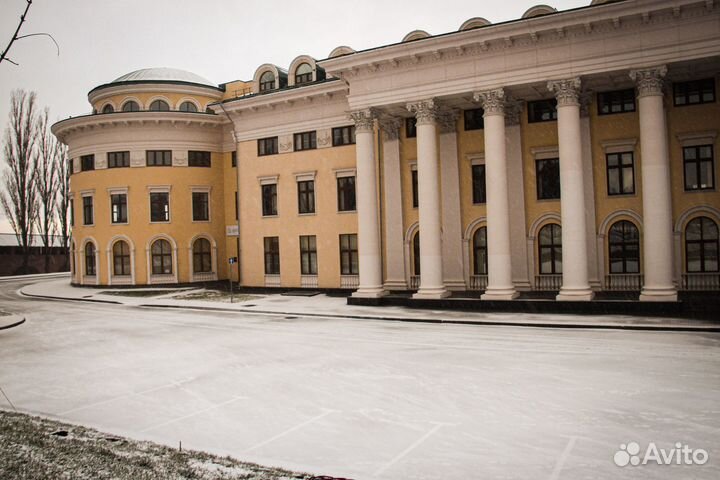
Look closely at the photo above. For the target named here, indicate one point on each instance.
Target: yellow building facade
(569, 151)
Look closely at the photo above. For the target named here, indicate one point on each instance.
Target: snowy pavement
(369, 399)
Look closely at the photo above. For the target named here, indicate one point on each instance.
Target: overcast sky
(221, 40)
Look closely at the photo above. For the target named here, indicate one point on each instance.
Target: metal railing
(701, 281)
(548, 283)
(308, 281)
(272, 280)
(624, 282)
(478, 282)
(414, 282)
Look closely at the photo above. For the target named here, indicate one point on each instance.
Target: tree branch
(15, 36)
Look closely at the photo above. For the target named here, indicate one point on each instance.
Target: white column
(394, 248)
(500, 285)
(429, 207)
(370, 274)
(452, 243)
(656, 189)
(575, 284)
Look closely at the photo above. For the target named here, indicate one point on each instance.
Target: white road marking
(185, 417)
(290, 430)
(409, 449)
(110, 400)
(563, 458)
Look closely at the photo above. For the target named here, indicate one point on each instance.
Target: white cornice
(531, 31)
(286, 97)
(135, 88)
(65, 128)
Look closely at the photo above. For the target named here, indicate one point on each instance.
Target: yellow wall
(327, 223)
(469, 142)
(137, 179)
(144, 98)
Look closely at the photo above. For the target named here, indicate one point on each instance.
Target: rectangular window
(699, 167)
(542, 111)
(308, 255)
(346, 194)
(158, 158)
(118, 159)
(343, 136)
(619, 101)
(478, 184)
(71, 166)
(415, 195)
(306, 196)
(305, 141)
(348, 254)
(411, 127)
(88, 213)
(267, 146)
(620, 173)
(694, 92)
(548, 178)
(200, 206)
(72, 212)
(272, 255)
(269, 200)
(87, 162)
(160, 207)
(236, 206)
(233, 159)
(118, 208)
(198, 159)
(474, 119)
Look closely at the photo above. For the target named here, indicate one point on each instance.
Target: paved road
(366, 399)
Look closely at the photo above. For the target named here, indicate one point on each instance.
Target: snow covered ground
(369, 399)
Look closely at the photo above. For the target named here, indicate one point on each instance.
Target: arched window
(701, 245)
(480, 261)
(108, 109)
(131, 106)
(161, 258)
(303, 74)
(550, 246)
(90, 259)
(416, 254)
(202, 256)
(624, 246)
(188, 107)
(159, 106)
(121, 258)
(267, 81)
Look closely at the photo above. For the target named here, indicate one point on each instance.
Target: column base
(431, 293)
(370, 292)
(500, 294)
(659, 295)
(575, 295)
(455, 285)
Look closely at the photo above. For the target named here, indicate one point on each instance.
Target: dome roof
(164, 74)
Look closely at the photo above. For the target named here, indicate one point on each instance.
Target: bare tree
(62, 199)
(19, 200)
(46, 183)
(16, 36)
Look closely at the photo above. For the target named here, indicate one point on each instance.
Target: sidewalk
(324, 306)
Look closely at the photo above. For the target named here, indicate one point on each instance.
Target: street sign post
(232, 261)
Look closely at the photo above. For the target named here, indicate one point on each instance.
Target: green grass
(29, 450)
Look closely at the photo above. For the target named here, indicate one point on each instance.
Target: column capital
(492, 101)
(447, 120)
(649, 80)
(567, 91)
(364, 119)
(426, 111)
(390, 126)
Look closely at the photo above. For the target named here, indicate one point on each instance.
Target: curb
(69, 299)
(635, 327)
(15, 320)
